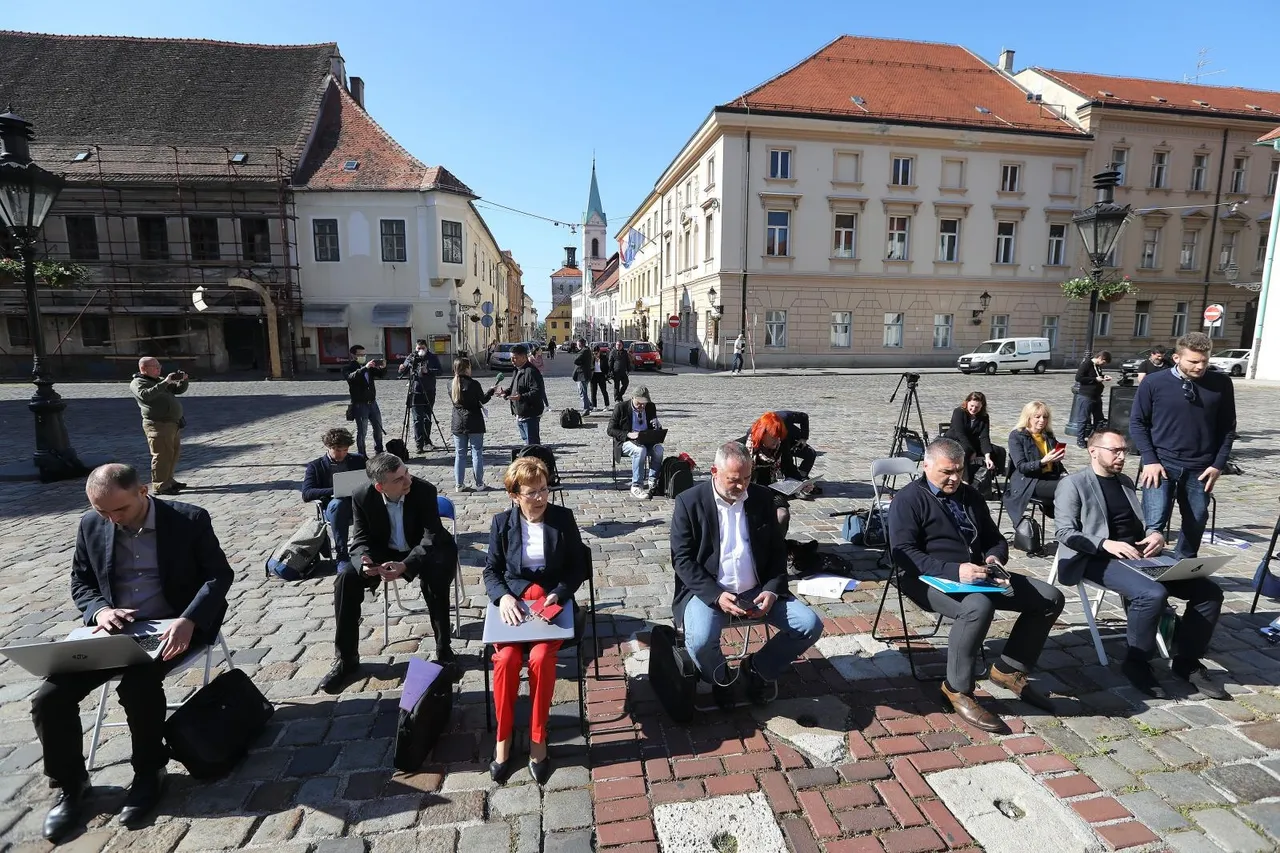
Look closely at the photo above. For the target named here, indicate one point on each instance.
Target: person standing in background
(422, 367)
(1156, 362)
(360, 375)
(162, 421)
(526, 395)
(620, 368)
(1091, 381)
(582, 369)
(739, 348)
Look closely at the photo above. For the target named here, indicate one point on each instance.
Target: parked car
(1233, 361)
(1012, 354)
(1133, 362)
(500, 356)
(564, 347)
(644, 355)
(602, 346)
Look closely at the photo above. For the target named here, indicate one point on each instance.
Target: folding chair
(617, 457)
(1033, 504)
(1091, 612)
(1264, 568)
(446, 509)
(189, 660)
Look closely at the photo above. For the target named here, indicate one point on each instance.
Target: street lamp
(27, 193)
(1100, 227)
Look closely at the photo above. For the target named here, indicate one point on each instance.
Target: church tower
(595, 251)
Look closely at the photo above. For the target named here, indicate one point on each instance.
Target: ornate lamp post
(1100, 227)
(27, 193)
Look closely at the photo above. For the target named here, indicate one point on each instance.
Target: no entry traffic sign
(1212, 314)
(673, 321)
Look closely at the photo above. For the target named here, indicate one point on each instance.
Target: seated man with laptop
(634, 425)
(330, 480)
(1102, 538)
(136, 559)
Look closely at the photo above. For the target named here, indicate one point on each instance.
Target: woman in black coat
(535, 555)
(971, 427)
(1036, 461)
(468, 425)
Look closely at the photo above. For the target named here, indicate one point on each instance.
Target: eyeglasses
(539, 495)
(1188, 389)
(1118, 451)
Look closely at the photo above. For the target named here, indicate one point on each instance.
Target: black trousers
(600, 383)
(1044, 491)
(1092, 419)
(55, 712)
(348, 594)
(620, 383)
(1147, 599)
(807, 456)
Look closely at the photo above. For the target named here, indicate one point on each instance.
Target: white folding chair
(1091, 611)
(447, 511)
(187, 662)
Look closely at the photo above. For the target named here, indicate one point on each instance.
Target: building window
(1227, 257)
(1150, 249)
(686, 242)
(847, 167)
(1160, 169)
(949, 240)
(1064, 178)
(395, 248)
(1179, 319)
(780, 163)
(1239, 177)
(1006, 242)
(206, 245)
(953, 174)
(1199, 171)
(666, 258)
(893, 330)
(899, 238)
(1104, 320)
(1057, 244)
(19, 331)
(999, 325)
(1142, 319)
(841, 322)
(775, 328)
(711, 171)
(82, 238)
(1261, 258)
(846, 235)
(778, 233)
(333, 345)
(325, 232)
(1187, 254)
(1273, 177)
(95, 331)
(450, 242)
(153, 238)
(595, 247)
(709, 248)
(1049, 329)
(1009, 178)
(255, 240)
(942, 330)
(1120, 163)
(1219, 329)
(903, 172)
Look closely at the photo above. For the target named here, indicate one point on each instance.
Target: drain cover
(732, 824)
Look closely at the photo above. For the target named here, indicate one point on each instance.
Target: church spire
(593, 203)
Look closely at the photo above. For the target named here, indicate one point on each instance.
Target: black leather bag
(672, 674)
(1028, 537)
(424, 718)
(213, 729)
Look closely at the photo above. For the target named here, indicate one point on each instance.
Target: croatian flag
(629, 246)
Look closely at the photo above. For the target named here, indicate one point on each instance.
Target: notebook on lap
(345, 483)
(86, 651)
(1169, 569)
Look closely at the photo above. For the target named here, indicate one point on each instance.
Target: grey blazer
(1080, 516)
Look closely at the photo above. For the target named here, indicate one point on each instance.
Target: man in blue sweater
(1183, 424)
(317, 485)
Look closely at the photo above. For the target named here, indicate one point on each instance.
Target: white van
(1012, 354)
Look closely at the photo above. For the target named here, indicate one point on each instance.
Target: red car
(645, 355)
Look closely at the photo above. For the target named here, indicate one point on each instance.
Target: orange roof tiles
(567, 272)
(1271, 137)
(1168, 95)
(608, 279)
(902, 81)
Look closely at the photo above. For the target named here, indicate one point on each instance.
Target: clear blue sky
(514, 99)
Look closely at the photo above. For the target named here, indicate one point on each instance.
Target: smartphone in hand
(1060, 446)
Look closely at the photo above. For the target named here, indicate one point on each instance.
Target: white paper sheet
(825, 586)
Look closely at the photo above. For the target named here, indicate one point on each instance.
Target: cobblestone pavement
(852, 773)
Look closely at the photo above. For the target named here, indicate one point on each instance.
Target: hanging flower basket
(52, 273)
(1109, 289)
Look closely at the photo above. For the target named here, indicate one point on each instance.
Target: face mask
(361, 359)
(421, 351)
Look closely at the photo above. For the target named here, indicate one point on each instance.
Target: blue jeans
(1147, 600)
(422, 423)
(638, 452)
(460, 442)
(338, 514)
(798, 629)
(368, 413)
(737, 362)
(1193, 504)
(584, 387)
(530, 430)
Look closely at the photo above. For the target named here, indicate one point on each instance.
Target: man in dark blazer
(583, 369)
(730, 560)
(629, 419)
(397, 533)
(941, 528)
(362, 376)
(1099, 523)
(317, 485)
(136, 558)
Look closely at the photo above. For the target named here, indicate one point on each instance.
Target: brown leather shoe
(1016, 683)
(971, 712)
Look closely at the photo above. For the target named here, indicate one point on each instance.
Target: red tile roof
(1271, 137)
(567, 272)
(1170, 96)
(902, 81)
(608, 279)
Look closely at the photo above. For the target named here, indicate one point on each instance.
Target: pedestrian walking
(537, 359)
(361, 375)
(599, 378)
(422, 367)
(162, 421)
(620, 369)
(527, 395)
(1090, 382)
(739, 347)
(582, 369)
(468, 425)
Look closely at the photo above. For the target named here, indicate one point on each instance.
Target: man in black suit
(730, 559)
(796, 446)
(317, 485)
(136, 558)
(361, 375)
(397, 533)
(583, 370)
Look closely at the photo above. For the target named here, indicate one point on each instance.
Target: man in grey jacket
(1099, 524)
(162, 421)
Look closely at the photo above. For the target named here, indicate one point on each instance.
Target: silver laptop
(345, 483)
(530, 631)
(793, 487)
(86, 651)
(1169, 569)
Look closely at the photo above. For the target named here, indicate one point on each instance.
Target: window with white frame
(1179, 319)
(953, 174)
(1227, 256)
(1160, 169)
(775, 328)
(709, 250)
(686, 243)
(1261, 258)
(1120, 163)
(1199, 171)
(394, 241)
(1049, 329)
(1142, 318)
(1064, 178)
(848, 166)
(999, 325)
(450, 242)
(841, 323)
(1103, 328)
(1010, 174)
(1150, 248)
(1057, 244)
(893, 329)
(1239, 174)
(780, 163)
(1187, 254)
(846, 236)
(711, 171)
(942, 330)
(778, 235)
(949, 240)
(1273, 177)
(899, 238)
(1006, 242)
(666, 258)
(903, 172)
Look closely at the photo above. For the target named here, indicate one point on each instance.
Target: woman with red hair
(764, 443)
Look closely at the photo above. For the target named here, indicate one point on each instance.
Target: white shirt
(395, 512)
(533, 536)
(737, 566)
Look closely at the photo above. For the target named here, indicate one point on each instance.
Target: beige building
(559, 324)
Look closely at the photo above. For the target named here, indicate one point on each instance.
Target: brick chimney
(356, 89)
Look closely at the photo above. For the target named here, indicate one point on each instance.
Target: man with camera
(422, 367)
(1090, 383)
(360, 374)
(162, 421)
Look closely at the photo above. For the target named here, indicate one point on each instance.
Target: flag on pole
(629, 246)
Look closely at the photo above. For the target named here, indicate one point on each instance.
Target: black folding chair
(548, 457)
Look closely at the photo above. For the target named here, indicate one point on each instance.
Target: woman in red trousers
(535, 554)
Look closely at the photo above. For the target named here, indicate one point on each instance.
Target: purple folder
(420, 677)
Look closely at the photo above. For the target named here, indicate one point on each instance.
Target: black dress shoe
(180, 484)
(343, 669)
(500, 771)
(1202, 681)
(760, 690)
(66, 811)
(540, 770)
(1143, 678)
(144, 796)
(167, 490)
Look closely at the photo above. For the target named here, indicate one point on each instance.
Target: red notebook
(545, 612)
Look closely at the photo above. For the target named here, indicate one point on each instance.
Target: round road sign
(674, 321)
(486, 320)
(1212, 314)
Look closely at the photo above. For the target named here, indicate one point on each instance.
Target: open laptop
(531, 631)
(86, 651)
(345, 483)
(1169, 569)
(649, 437)
(791, 488)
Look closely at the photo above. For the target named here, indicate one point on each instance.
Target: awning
(325, 316)
(392, 314)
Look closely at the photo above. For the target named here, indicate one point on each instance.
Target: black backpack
(570, 419)
(674, 477)
(672, 674)
(1027, 537)
(424, 713)
(213, 729)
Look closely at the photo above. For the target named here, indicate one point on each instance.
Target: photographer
(422, 367)
(360, 373)
(162, 421)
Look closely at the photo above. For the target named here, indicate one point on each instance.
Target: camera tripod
(902, 430)
(408, 414)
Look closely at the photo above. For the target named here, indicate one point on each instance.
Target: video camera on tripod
(906, 441)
